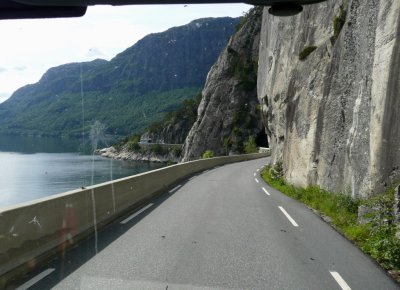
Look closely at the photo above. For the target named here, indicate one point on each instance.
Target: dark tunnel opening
(262, 139)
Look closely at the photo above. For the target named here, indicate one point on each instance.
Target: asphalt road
(222, 229)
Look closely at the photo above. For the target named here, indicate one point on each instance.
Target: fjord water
(32, 168)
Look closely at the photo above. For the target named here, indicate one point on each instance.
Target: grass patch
(306, 52)
(208, 154)
(376, 237)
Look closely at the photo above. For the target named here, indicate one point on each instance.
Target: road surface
(222, 229)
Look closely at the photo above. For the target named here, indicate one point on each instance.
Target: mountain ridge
(134, 89)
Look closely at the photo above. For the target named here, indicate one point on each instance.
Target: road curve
(222, 229)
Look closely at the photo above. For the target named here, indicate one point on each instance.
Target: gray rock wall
(333, 119)
(229, 111)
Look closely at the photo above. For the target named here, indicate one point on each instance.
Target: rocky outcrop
(172, 133)
(228, 113)
(332, 118)
(143, 155)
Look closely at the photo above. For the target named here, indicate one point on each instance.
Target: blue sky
(30, 47)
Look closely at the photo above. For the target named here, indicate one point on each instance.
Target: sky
(30, 47)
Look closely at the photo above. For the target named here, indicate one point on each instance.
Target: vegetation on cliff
(306, 52)
(173, 128)
(175, 125)
(338, 22)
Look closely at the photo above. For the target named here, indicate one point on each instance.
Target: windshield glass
(69, 82)
(193, 146)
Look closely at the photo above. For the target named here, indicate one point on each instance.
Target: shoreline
(124, 154)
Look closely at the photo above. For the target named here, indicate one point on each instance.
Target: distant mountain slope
(126, 94)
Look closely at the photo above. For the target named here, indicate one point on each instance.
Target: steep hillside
(329, 83)
(126, 94)
(229, 114)
(175, 126)
(166, 137)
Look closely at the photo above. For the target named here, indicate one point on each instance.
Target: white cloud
(94, 52)
(31, 47)
(20, 68)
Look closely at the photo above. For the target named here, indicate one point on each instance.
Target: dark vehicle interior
(21, 9)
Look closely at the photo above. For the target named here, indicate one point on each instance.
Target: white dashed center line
(265, 191)
(340, 280)
(254, 174)
(258, 170)
(35, 279)
(288, 217)
(136, 214)
(256, 180)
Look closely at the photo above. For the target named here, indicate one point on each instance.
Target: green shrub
(250, 145)
(118, 145)
(208, 154)
(133, 146)
(158, 149)
(237, 131)
(227, 145)
(257, 11)
(306, 52)
(176, 150)
(338, 22)
(246, 72)
(276, 171)
(243, 21)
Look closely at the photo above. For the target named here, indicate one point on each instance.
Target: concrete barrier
(264, 150)
(32, 230)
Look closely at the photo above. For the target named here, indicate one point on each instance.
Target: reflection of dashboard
(16, 9)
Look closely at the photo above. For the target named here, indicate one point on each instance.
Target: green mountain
(127, 94)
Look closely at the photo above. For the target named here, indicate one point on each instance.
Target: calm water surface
(32, 168)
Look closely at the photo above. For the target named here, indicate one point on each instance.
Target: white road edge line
(258, 170)
(175, 188)
(36, 279)
(288, 216)
(340, 280)
(266, 191)
(256, 180)
(136, 213)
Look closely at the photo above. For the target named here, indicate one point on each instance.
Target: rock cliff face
(172, 133)
(333, 118)
(228, 112)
